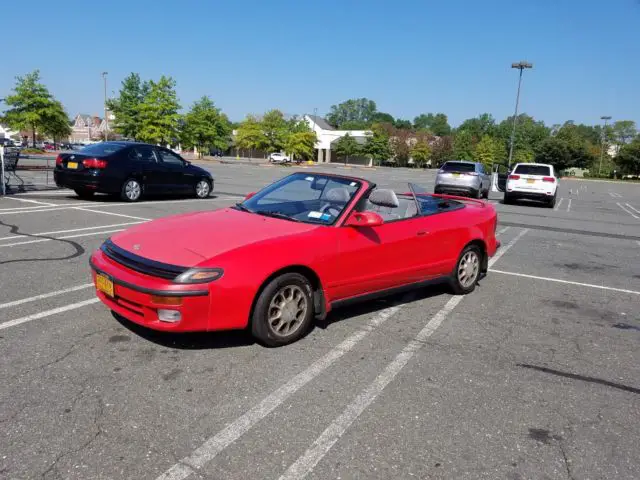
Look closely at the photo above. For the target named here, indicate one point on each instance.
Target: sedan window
(142, 153)
(170, 157)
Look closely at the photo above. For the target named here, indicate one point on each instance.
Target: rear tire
(507, 200)
(486, 194)
(131, 190)
(283, 311)
(466, 274)
(552, 202)
(84, 194)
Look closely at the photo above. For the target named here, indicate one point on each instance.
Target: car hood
(193, 238)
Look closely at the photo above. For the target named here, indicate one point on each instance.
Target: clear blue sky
(409, 56)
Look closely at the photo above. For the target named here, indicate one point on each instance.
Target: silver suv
(463, 178)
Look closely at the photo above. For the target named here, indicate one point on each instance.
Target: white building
(327, 135)
(6, 132)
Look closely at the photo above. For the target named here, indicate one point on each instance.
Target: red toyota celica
(290, 253)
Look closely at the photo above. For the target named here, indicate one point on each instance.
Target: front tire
(466, 274)
(131, 190)
(203, 189)
(283, 311)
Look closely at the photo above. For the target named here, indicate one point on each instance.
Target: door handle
(422, 232)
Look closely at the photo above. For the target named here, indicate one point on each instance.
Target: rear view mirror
(249, 195)
(364, 219)
(318, 183)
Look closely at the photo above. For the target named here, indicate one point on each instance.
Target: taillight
(58, 160)
(514, 177)
(94, 163)
(549, 179)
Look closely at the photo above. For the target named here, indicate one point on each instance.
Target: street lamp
(520, 66)
(106, 119)
(606, 118)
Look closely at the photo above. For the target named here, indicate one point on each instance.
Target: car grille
(141, 264)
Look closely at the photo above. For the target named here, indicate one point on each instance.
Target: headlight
(199, 275)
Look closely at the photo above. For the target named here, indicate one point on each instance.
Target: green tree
(205, 127)
(353, 114)
(437, 124)
(31, 106)
(463, 146)
(441, 150)
(300, 144)
(554, 151)
(56, 124)
(346, 147)
(421, 151)
(158, 113)
(249, 135)
(381, 117)
(126, 107)
(403, 124)
(377, 146)
(529, 134)
(624, 131)
(580, 153)
(275, 129)
(479, 126)
(628, 157)
(489, 151)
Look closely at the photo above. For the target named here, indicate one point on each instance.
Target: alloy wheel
(468, 269)
(287, 310)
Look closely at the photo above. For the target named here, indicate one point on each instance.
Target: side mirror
(364, 219)
(249, 195)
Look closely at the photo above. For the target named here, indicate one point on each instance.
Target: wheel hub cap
(468, 269)
(287, 310)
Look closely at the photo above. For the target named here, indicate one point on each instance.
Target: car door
(501, 173)
(173, 169)
(143, 164)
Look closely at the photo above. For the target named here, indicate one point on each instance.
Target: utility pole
(520, 66)
(606, 118)
(106, 119)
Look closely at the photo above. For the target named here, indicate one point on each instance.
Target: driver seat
(383, 201)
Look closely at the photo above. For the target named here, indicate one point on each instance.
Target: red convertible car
(290, 253)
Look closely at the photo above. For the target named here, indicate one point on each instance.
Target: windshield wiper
(277, 215)
(240, 206)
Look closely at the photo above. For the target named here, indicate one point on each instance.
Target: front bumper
(134, 295)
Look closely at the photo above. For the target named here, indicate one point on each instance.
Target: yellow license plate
(72, 165)
(104, 284)
(531, 180)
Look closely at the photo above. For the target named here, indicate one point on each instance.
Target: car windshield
(304, 198)
(102, 148)
(458, 167)
(428, 204)
(533, 170)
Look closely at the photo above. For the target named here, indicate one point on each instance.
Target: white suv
(535, 181)
(279, 158)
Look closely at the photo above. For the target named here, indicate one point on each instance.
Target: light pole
(106, 119)
(606, 118)
(520, 66)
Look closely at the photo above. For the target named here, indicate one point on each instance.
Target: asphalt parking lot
(534, 375)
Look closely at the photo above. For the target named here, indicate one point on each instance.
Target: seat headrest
(339, 194)
(384, 198)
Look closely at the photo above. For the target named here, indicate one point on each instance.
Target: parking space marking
(569, 206)
(47, 313)
(31, 201)
(321, 446)
(632, 208)
(45, 295)
(111, 213)
(69, 231)
(217, 443)
(615, 195)
(503, 230)
(626, 210)
(66, 237)
(558, 204)
(567, 282)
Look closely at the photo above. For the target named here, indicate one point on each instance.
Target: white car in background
(533, 181)
(279, 158)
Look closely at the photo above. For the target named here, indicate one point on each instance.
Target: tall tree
(421, 151)
(628, 157)
(353, 114)
(56, 123)
(126, 107)
(31, 106)
(249, 135)
(554, 151)
(529, 134)
(437, 124)
(479, 126)
(300, 144)
(489, 151)
(158, 113)
(377, 146)
(463, 146)
(275, 129)
(346, 146)
(205, 127)
(404, 124)
(624, 131)
(382, 117)
(441, 150)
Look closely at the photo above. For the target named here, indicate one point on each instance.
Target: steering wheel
(326, 208)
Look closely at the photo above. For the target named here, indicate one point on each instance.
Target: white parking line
(569, 206)
(69, 231)
(66, 237)
(625, 209)
(305, 463)
(45, 295)
(503, 230)
(111, 213)
(47, 313)
(558, 204)
(632, 208)
(31, 201)
(568, 282)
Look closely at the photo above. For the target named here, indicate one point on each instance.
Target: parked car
(533, 181)
(279, 158)
(130, 170)
(463, 178)
(244, 266)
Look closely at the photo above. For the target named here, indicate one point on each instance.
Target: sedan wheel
(467, 271)
(131, 190)
(203, 189)
(283, 311)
